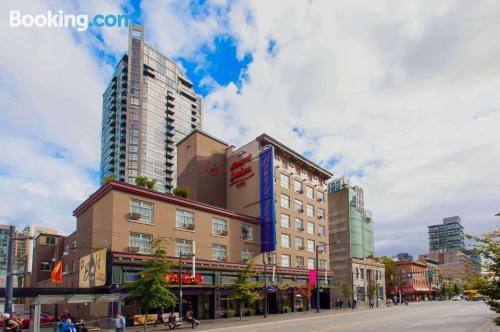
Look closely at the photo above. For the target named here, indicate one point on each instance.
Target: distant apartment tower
(4, 247)
(403, 257)
(148, 106)
(447, 236)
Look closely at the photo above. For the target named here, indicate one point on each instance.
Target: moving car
(457, 298)
(26, 317)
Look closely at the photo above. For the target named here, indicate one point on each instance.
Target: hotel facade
(262, 202)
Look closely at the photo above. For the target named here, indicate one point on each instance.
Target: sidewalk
(221, 323)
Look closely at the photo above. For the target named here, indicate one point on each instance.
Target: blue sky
(403, 99)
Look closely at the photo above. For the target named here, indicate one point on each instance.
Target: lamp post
(180, 280)
(317, 270)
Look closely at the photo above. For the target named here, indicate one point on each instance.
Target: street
(434, 316)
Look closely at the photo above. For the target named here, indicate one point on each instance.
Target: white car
(456, 298)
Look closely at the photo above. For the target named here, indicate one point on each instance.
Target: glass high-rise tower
(148, 106)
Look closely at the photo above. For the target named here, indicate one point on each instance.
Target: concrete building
(235, 227)
(148, 106)
(351, 236)
(434, 276)
(411, 280)
(475, 258)
(4, 247)
(455, 266)
(447, 236)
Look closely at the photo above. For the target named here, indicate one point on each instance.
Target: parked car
(26, 317)
(457, 298)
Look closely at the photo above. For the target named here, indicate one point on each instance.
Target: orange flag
(56, 274)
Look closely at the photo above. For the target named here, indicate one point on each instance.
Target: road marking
(359, 322)
(412, 325)
(298, 319)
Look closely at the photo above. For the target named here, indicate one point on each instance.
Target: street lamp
(180, 280)
(317, 270)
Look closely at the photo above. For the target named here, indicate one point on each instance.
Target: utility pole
(317, 278)
(180, 281)
(265, 284)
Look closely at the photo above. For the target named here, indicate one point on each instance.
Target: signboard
(267, 208)
(312, 277)
(187, 278)
(240, 172)
(92, 271)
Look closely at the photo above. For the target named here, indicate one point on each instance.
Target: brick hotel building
(225, 222)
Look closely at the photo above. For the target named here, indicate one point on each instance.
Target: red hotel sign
(239, 173)
(187, 278)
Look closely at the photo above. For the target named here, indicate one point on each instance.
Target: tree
(151, 291)
(456, 290)
(144, 182)
(181, 192)
(346, 290)
(446, 289)
(306, 292)
(389, 270)
(245, 291)
(372, 290)
(488, 245)
(476, 282)
(107, 179)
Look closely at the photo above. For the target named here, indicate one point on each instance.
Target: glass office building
(148, 106)
(447, 236)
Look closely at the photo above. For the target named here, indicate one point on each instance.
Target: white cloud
(406, 93)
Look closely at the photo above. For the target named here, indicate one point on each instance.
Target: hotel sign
(267, 208)
(187, 278)
(239, 172)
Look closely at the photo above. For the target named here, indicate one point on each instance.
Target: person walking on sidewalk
(159, 317)
(354, 303)
(119, 323)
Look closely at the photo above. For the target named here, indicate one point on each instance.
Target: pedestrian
(354, 303)
(67, 326)
(340, 304)
(190, 318)
(349, 303)
(119, 323)
(81, 327)
(159, 317)
(172, 322)
(371, 303)
(65, 315)
(10, 323)
(337, 303)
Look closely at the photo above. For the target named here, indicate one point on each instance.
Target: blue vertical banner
(267, 208)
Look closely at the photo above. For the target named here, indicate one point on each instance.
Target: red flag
(56, 274)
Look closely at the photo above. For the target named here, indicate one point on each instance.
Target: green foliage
(144, 182)
(372, 289)
(446, 289)
(306, 292)
(182, 192)
(346, 290)
(477, 282)
(151, 291)
(456, 290)
(245, 291)
(488, 245)
(389, 270)
(107, 179)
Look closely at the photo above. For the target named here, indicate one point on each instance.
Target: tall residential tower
(447, 236)
(148, 106)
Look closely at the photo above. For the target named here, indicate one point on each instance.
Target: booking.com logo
(80, 22)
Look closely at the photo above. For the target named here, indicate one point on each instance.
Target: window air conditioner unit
(244, 260)
(320, 217)
(222, 259)
(134, 249)
(134, 215)
(300, 248)
(223, 233)
(190, 227)
(300, 191)
(65, 252)
(300, 210)
(300, 229)
(321, 234)
(319, 199)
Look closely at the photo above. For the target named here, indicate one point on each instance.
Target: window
(73, 267)
(320, 196)
(297, 186)
(183, 246)
(144, 210)
(74, 244)
(321, 230)
(362, 272)
(285, 220)
(219, 226)
(50, 240)
(310, 228)
(246, 255)
(246, 232)
(299, 243)
(285, 241)
(298, 206)
(285, 201)
(357, 273)
(309, 192)
(184, 219)
(45, 266)
(310, 246)
(285, 181)
(310, 210)
(299, 224)
(322, 264)
(300, 261)
(321, 214)
(311, 262)
(141, 242)
(285, 260)
(219, 252)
